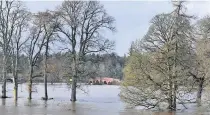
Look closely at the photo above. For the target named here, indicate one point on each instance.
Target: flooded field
(98, 100)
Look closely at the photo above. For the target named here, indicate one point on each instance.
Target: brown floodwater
(96, 100)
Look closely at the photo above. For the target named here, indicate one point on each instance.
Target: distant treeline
(96, 65)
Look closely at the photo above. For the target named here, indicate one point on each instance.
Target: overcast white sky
(132, 17)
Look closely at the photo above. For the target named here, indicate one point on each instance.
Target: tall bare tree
(8, 15)
(83, 22)
(18, 40)
(33, 48)
(50, 26)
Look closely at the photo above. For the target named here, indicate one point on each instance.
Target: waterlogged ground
(98, 100)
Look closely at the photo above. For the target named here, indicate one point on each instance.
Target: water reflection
(54, 107)
(3, 102)
(101, 100)
(73, 106)
(45, 103)
(16, 102)
(164, 113)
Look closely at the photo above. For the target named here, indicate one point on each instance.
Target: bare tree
(21, 24)
(9, 14)
(42, 32)
(50, 25)
(33, 48)
(83, 22)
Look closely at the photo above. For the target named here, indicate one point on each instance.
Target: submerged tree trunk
(170, 84)
(45, 86)
(170, 100)
(30, 83)
(200, 90)
(4, 77)
(73, 90)
(174, 96)
(45, 70)
(4, 86)
(15, 75)
(74, 79)
(15, 88)
(175, 77)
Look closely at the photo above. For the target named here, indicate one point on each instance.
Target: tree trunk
(73, 90)
(170, 83)
(200, 90)
(175, 77)
(16, 77)
(45, 70)
(4, 77)
(74, 80)
(45, 87)
(30, 83)
(170, 100)
(4, 86)
(170, 86)
(174, 96)
(15, 89)
(45, 78)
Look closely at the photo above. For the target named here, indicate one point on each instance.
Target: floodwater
(96, 100)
